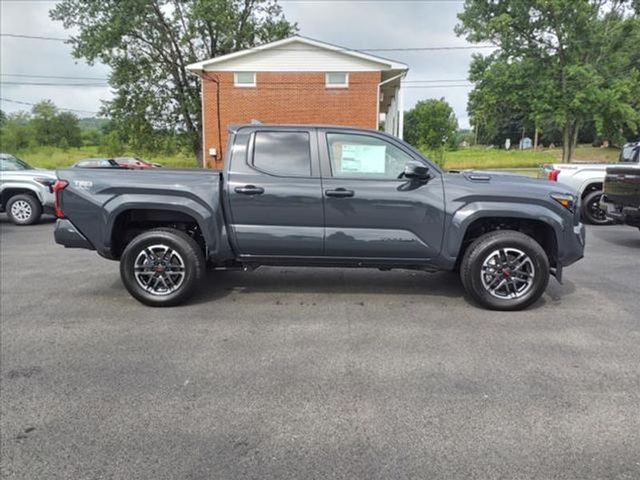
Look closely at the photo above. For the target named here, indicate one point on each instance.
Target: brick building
(297, 80)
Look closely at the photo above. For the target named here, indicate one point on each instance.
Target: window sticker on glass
(363, 158)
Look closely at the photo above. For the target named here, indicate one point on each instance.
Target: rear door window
(286, 154)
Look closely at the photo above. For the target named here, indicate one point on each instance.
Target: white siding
(297, 57)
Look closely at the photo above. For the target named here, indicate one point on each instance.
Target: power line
(369, 1)
(389, 49)
(434, 81)
(60, 77)
(22, 75)
(51, 84)
(20, 102)
(33, 37)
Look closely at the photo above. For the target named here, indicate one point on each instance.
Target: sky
(363, 24)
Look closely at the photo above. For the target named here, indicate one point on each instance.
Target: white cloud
(374, 24)
(387, 24)
(43, 57)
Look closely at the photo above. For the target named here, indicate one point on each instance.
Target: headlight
(47, 182)
(567, 200)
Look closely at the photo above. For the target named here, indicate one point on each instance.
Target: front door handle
(339, 193)
(249, 190)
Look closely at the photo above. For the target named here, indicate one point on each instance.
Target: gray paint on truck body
(293, 221)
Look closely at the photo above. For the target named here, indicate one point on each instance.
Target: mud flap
(557, 272)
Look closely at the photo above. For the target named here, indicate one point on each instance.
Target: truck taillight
(553, 175)
(57, 188)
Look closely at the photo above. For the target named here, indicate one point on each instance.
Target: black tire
(189, 254)
(591, 211)
(526, 292)
(24, 209)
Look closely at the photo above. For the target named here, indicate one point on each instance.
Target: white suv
(25, 192)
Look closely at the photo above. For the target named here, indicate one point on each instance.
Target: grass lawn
(476, 157)
(52, 157)
(488, 158)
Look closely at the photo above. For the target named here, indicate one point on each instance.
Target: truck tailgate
(622, 186)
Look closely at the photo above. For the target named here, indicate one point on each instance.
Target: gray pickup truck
(322, 196)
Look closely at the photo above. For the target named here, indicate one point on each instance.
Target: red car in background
(134, 163)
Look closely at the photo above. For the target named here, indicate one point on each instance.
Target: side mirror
(416, 171)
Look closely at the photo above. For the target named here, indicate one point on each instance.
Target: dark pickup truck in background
(322, 196)
(621, 197)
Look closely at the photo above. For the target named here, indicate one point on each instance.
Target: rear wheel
(24, 209)
(505, 270)
(591, 211)
(161, 267)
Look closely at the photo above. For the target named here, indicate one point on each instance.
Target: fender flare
(203, 216)
(587, 182)
(22, 186)
(469, 213)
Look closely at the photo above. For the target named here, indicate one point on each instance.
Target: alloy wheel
(21, 210)
(159, 269)
(507, 273)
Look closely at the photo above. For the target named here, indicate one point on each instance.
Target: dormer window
(337, 80)
(244, 79)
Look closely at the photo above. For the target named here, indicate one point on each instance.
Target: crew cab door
(369, 211)
(274, 194)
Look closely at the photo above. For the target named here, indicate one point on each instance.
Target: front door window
(365, 157)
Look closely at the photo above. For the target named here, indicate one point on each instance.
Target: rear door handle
(339, 193)
(249, 190)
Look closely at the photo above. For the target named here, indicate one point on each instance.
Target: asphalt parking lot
(304, 374)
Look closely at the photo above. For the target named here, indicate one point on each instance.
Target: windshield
(10, 163)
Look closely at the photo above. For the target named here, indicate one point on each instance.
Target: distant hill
(93, 122)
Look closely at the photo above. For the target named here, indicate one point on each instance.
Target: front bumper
(67, 234)
(571, 248)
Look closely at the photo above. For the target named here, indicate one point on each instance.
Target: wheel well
(10, 192)
(590, 188)
(540, 231)
(131, 223)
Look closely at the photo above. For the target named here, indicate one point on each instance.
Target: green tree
(112, 145)
(16, 133)
(66, 127)
(431, 124)
(91, 136)
(148, 45)
(43, 123)
(573, 61)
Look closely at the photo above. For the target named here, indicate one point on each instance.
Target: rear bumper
(67, 234)
(620, 214)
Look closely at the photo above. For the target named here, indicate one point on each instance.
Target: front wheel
(24, 209)
(505, 270)
(161, 267)
(591, 211)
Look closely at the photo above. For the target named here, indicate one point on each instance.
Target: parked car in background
(322, 196)
(25, 192)
(621, 197)
(587, 179)
(135, 163)
(629, 152)
(97, 163)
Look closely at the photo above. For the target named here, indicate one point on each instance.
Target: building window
(337, 80)
(244, 79)
(282, 153)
